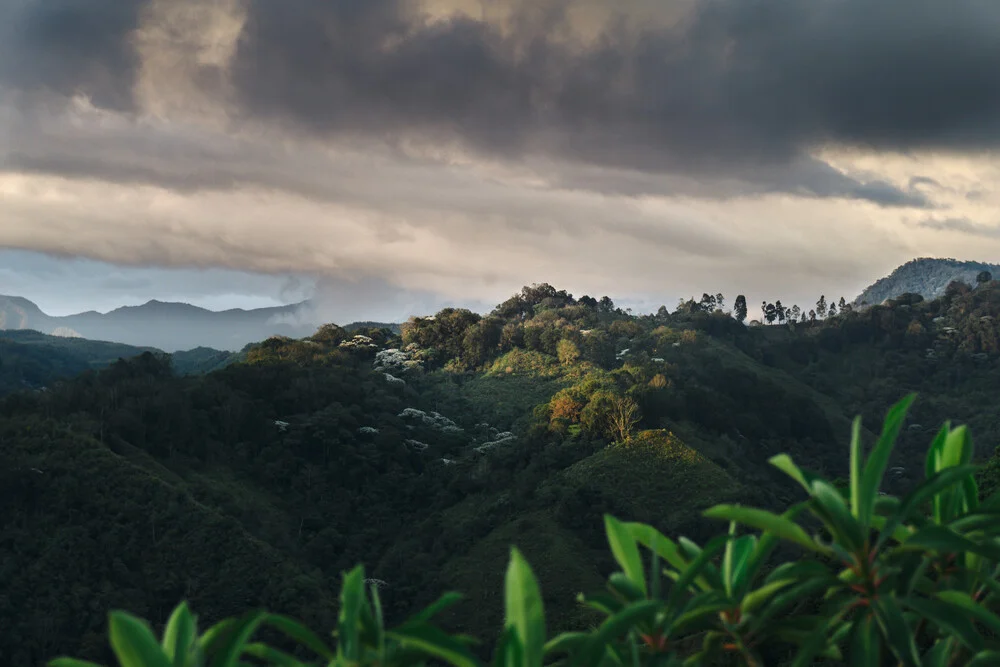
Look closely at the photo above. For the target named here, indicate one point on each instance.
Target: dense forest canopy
(424, 453)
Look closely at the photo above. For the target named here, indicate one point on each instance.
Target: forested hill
(926, 276)
(426, 454)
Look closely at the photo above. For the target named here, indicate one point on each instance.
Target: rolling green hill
(425, 454)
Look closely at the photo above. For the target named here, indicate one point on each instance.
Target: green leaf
(434, 643)
(272, 656)
(950, 618)
(652, 539)
(179, 635)
(866, 644)
(565, 642)
(761, 595)
(856, 464)
(944, 540)
(694, 570)
(134, 643)
(847, 530)
(963, 601)
(765, 521)
(895, 631)
(227, 651)
(984, 659)
(939, 653)
(625, 550)
(784, 463)
(71, 662)
(303, 635)
(352, 596)
(615, 626)
(878, 460)
(439, 605)
(524, 608)
(623, 586)
(933, 464)
(736, 560)
(936, 483)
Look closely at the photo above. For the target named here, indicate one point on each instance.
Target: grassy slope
(657, 479)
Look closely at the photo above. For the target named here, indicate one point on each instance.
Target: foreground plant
(879, 580)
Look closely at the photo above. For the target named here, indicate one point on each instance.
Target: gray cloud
(726, 102)
(71, 46)
(961, 225)
(739, 84)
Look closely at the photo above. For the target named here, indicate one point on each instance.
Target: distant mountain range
(167, 326)
(925, 276)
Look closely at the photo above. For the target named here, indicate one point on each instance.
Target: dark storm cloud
(738, 85)
(71, 46)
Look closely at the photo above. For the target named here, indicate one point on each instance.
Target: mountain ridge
(927, 276)
(166, 325)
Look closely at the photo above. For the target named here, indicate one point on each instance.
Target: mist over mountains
(171, 326)
(167, 326)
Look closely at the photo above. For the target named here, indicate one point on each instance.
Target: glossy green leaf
(895, 631)
(962, 601)
(856, 462)
(352, 597)
(625, 550)
(945, 540)
(271, 656)
(652, 539)
(71, 662)
(757, 597)
(784, 463)
(434, 643)
(950, 618)
(984, 659)
(847, 530)
(133, 642)
(524, 611)
(926, 490)
(227, 652)
(877, 462)
(179, 635)
(301, 634)
(866, 643)
(766, 521)
(694, 570)
(615, 626)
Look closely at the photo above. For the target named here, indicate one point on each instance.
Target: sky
(389, 157)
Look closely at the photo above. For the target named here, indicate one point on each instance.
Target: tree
(812, 315)
(740, 308)
(770, 312)
(662, 313)
(779, 311)
(707, 303)
(984, 277)
(844, 306)
(796, 313)
(821, 307)
(624, 417)
(720, 301)
(833, 310)
(567, 351)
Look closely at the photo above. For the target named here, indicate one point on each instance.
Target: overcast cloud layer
(458, 149)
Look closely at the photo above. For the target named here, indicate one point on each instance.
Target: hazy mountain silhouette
(164, 325)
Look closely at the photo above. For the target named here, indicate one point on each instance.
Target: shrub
(873, 580)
